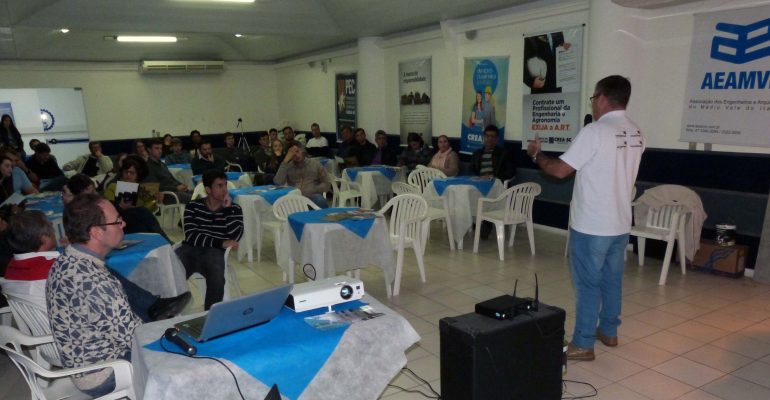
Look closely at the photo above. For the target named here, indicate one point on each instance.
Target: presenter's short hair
(615, 88)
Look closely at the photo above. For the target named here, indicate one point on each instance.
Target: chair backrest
(290, 204)
(519, 200)
(404, 188)
(407, 209)
(232, 167)
(11, 341)
(421, 177)
(664, 216)
(32, 319)
(200, 191)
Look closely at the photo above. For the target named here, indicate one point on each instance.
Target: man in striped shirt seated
(211, 225)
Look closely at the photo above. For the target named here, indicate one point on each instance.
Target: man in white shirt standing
(606, 156)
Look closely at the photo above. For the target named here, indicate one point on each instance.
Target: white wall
(121, 103)
(651, 47)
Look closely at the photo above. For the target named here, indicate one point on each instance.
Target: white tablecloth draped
(462, 202)
(161, 273)
(374, 184)
(331, 248)
(367, 357)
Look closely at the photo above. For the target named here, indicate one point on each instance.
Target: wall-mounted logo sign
(47, 118)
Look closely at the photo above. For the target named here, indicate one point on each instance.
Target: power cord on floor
(585, 396)
(433, 395)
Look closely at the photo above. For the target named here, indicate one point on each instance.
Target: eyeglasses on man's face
(118, 221)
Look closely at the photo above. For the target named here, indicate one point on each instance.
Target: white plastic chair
(231, 278)
(245, 181)
(200, 191)
(421, 177)
(46, 384)
(174, 210)
(6, 317)
(407, 214)
(664, 223)
(514, 206)
(32, 319)
(344, 192)
(233, 167)
(433, 213)
(282, 208)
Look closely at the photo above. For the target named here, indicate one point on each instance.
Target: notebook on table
(231, 316)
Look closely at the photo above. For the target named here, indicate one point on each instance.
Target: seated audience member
(344, 148)
(364, 150)
(44, 165)
(91, 164)
(91, 317)
(206, 160)
(32, 144)
(306, 174)
(177, 155)
(136, 208)
(273, 162)
(140, 149)
(317, 146)
(111, 176)
(273, 134)
(20, 173)
(10, 135)
(158, 172)
(33, 241)
(491, 159)
(196, 139)
(445, 159)
(231, 154)
(384, 155)
(261, 153)
(416, 153)
(167, 139)
(289, 138)
(211, 224)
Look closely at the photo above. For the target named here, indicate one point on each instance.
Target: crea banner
(345, 102)
(551, 92)
(415, 94)
(727, 100)
(485, 94)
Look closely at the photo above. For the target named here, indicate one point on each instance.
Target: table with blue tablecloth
(462, 194)
(151, 264)
(231, 176)
(333, 247)
(257, 205)
(365, 359)
(374, 182)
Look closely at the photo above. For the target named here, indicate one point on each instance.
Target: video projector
(325, 293)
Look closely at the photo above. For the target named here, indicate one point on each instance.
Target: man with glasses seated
(91, 316)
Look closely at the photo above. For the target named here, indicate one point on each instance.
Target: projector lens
(346, 292)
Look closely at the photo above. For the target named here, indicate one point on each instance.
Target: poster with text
(415, 93)
(485, 94)
(345, 102)
(727, 99)
(552, 72)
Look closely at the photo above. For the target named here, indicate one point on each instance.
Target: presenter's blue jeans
(597, 275)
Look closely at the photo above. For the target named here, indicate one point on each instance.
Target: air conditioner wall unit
(168, 67)
(651, 4)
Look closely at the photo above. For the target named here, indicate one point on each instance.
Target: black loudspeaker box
(517, 359)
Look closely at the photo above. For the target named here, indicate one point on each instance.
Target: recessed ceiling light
(147, 39)
(64, 30)
(219, 1)
(238, 35)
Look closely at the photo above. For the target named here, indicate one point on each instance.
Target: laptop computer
(234, 315)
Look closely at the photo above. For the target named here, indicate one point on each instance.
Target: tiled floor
(699, 337)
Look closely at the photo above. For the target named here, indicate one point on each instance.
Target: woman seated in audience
(167, 142)
(141, 150)
(136, 209)
(415, 153)
(445, 159)
(273, 163)
(7, 184)
(20, 173)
